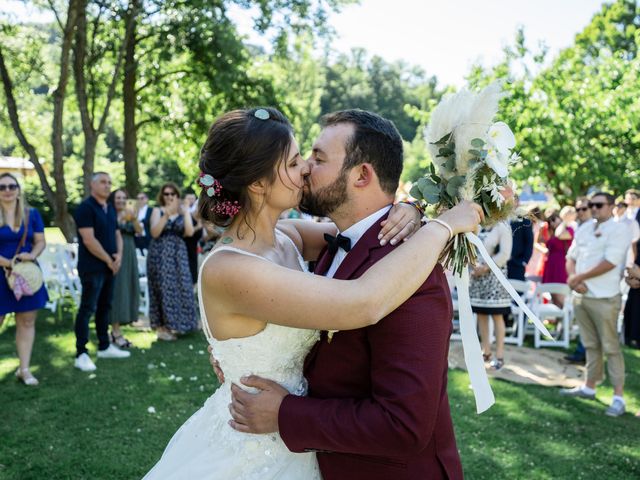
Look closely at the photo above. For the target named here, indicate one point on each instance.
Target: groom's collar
(366, 241)
(358, 229)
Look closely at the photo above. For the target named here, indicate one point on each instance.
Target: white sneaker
(84, 363)
(113, 352)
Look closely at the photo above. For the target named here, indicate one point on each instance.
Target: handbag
(24, 277)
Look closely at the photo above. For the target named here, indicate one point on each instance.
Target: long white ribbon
(470, 342)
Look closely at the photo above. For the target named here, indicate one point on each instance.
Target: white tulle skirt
(206, 447)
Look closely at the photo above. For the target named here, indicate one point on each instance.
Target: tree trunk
(129, 98)
(62, 217)
(90, 130)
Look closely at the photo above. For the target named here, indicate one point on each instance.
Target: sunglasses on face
(582, 209)
(169, 194)
(12, 187)
(597, 205)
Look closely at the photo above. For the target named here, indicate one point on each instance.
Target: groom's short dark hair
(375, 140)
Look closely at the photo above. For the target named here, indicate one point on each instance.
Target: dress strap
(205, 323)
(303, 266)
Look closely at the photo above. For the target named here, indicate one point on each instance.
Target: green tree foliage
(390, 89)
(576, 120)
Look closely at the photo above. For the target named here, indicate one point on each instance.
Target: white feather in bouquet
(467, 115)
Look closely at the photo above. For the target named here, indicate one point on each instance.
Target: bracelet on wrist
(414, 205)
(444, 224)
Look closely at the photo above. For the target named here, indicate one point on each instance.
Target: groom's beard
(325, 200)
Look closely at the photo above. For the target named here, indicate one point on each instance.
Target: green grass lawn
(98, 426)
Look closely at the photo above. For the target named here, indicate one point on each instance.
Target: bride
(253, 289)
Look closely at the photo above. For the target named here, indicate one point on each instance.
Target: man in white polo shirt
(595, 262)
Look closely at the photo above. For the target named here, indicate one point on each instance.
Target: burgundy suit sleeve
(408, 374)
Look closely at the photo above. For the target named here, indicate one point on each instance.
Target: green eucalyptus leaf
(450, 164)
(477, 142)
(445, 152)
(444, 140)
(454, 185)
(415, 192)
(476, 153)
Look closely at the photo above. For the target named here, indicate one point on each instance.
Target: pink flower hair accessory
(227, 207)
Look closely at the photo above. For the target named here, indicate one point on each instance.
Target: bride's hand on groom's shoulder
(216, 365)
(403, 221)
(256, 412)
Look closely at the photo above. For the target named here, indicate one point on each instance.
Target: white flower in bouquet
(500, 141)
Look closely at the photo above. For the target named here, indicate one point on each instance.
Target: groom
(377, 405)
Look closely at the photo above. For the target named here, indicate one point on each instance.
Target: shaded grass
(80, 426)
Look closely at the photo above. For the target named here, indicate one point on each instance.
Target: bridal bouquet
(471, 155)
(471, 158)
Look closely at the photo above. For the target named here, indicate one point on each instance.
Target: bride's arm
(403, 220)
(267, 292)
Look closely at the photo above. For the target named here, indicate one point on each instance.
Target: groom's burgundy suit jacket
(377, 407)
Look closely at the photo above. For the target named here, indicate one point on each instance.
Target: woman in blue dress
(13, 213)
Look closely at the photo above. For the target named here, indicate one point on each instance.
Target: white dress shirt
(594, 243)
(355, 233)
(142, 213)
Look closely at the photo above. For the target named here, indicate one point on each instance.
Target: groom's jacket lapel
(360, 253)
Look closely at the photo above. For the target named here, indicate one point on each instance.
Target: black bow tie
(334, 243)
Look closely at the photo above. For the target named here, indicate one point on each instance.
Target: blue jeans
(97, 294)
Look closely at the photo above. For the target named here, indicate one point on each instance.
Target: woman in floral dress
(172, 303)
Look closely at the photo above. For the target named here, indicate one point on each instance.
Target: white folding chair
(144, 297)
(66, 257)
(551, 311)
(516, 334)
(51, 276)
(142, 263)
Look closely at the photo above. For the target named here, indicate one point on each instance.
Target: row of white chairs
(537, 296)
(59, 263)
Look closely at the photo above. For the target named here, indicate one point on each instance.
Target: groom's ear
(364, 175)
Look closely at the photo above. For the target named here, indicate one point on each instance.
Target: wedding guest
(191, 242)
(522, 232)
(143, 238)
(488, 297)
(583, 213)
(632, 306)
(192, 200)
(171, 299)
(99, 259)
(620, 216)
(15, 217)
(126, 287)
(569, 216)
(594, 263)
(561, 236)
(632, 199)
(535, 267)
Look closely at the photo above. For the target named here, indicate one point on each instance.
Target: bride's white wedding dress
(206, 447)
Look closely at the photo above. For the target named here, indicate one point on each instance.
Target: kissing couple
(337, 374)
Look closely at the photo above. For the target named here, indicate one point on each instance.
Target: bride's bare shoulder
(225, 264)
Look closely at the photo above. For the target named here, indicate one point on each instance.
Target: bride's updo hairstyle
(242, 147)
